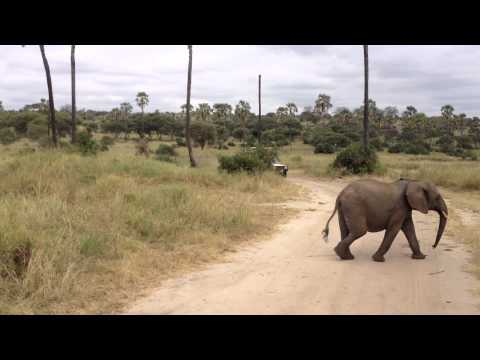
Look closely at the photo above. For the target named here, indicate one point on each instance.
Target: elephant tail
(325, 231)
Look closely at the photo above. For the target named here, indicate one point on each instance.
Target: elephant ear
(417, 197)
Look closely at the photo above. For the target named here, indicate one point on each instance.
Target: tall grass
(102, 226)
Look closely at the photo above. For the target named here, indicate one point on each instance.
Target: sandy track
(295, 272)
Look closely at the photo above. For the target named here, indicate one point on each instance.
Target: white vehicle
(279, 167)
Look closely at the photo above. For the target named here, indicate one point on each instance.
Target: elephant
(372, 206)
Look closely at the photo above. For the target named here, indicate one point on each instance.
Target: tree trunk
(143, 125)
(74, 104)
(53, 123)
(193, 163)
(365, 110)
(259, 129)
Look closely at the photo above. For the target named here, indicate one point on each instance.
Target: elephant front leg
(409, 230)
(390, 235)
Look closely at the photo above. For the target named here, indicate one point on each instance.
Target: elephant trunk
(443, 213)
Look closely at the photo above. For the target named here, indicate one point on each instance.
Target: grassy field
(103, 228)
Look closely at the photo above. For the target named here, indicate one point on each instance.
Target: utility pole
(259, 106)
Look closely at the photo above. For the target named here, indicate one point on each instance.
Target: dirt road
(295, 272)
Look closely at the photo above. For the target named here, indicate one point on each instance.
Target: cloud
(424, 76)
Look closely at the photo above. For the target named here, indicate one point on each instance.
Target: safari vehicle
(282, 169)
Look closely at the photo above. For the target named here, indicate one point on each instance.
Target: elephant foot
(419, 256)
(346, 255)
(378, 258)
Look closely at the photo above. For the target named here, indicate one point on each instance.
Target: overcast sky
(426, 77)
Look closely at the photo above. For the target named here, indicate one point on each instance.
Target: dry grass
(103, 228)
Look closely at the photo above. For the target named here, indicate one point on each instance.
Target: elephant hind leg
(343, 234)
(352, 232)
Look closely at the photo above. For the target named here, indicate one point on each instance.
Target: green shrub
(86, 144)
(36, 130)
(354, 159)
(164, 149)
(465, 142)
(415, 148)
(7, 136)
(377, 143)
(254, 161)
(180, 141)
(324, 148)
(470, 155)
(395, 148)
(419, 148)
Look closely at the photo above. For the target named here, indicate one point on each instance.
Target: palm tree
(126, 108)
(53, 122)
(193, 163)
(322, 104)
(74, 105)
(204, 111)
(292, 108)
(447, 114)
(365, 101)
(242, 110)
(142, 101)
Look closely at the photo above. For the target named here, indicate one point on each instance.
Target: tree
(322, 104)
(242, 111)
(292, 108)
(221, 114)
(409, 112)
(204, 111)
(344, 113)
(447, 114)
(188, 107)
(53, 122)
(125, 109)
(74, 106)
(1, 106)
(142, 101)
(282, 113)
(365, 104)
(202, 133)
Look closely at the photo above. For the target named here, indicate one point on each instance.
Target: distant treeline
(409, 131)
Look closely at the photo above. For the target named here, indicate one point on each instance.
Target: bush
(36, 130)
(465, 142)
(164, 149)
(417, 148)
(324, 148)
(354, 159)
(231, 144)
(395, 148)
(377, 143)
(180, 141)
(249, 161)
(470, 155)
(7, 135)
(327, 141)
(86, 144)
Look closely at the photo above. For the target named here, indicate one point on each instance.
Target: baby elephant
(372, 206)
